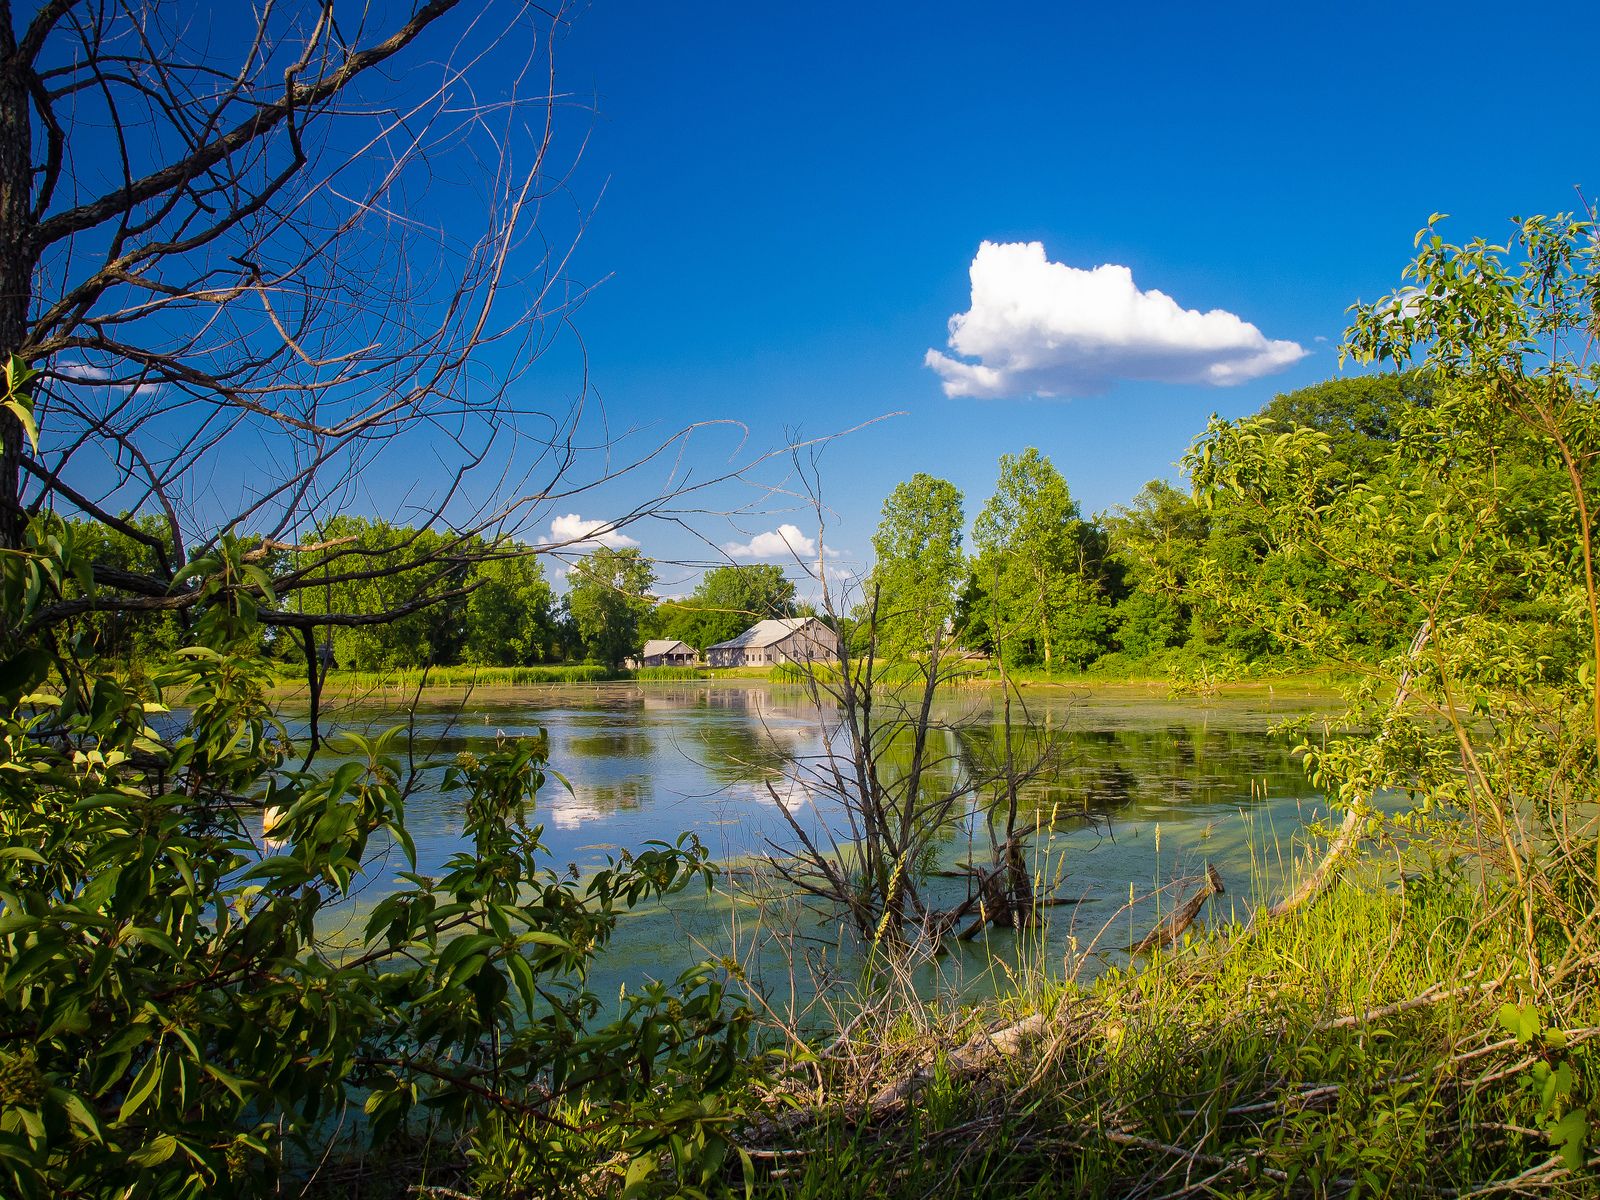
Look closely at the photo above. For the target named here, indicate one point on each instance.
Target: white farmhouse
(791, 639)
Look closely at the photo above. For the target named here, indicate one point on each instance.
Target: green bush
(173, 1024)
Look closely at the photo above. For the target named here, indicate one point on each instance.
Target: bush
(173, 1024)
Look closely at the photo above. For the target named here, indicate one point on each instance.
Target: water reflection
(646, 762)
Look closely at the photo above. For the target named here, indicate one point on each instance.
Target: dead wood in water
(1171, 927)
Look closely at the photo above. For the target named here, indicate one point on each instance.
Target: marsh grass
(411, 679)
(1356, 1047)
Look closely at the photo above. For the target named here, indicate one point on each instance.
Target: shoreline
(1300, 685)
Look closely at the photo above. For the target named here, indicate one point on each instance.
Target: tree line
(1140, 588)
(1143, 587)
(506, 612)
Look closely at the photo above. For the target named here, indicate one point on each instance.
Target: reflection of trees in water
(1097, 772)
(736, 751)
(763, 704)
(747, 735)
(613, 743)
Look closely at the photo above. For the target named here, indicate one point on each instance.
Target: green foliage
(1361, 415)
(918, 564)
(1455, 575)
(382, 568)
(608, 595)
(358, 683)
(727, 601)
(1038, 591)
(19, 397)
(173, 1021)
(509, 612)
(668, 674)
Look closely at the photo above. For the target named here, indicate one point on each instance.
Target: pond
(1142, 791)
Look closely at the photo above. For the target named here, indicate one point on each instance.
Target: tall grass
(454, 677)
(1359, 1046)
(669, 674)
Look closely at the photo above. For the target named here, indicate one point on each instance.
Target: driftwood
(1170, 928)
(976, 1055)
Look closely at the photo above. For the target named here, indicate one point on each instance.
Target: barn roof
(657, 646)
(764, 633)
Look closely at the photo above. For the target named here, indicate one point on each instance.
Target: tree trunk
(16, 274)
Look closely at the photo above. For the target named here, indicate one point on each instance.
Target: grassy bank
(456, 679)
(446, 681)
(1371, 1044)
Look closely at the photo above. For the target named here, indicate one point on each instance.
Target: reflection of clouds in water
(794, 791)
(596, 802)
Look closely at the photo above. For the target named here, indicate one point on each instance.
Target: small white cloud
(78, 372)
(1043, 328)
(832, 573)
(1407, 302)
(786, 541)
(572, 532)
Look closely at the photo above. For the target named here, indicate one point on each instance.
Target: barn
(791, 639)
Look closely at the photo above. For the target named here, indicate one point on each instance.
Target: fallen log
(1170, 928)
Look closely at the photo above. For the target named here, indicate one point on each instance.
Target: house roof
(764, 633)
(657, 646)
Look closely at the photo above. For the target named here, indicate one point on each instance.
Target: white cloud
(1043, 328)
(833, 574)
(786, 541)
(75, 371)
(573, 532)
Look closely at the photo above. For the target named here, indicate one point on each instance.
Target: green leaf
(1521, 1021)
(79, 1114)
(1571, 1134)
(638, 1177)
(143, 1084)
(155, 1153)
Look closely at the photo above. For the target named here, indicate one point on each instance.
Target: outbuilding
(667, 652)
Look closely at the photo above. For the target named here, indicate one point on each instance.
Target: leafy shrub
(173, 1024)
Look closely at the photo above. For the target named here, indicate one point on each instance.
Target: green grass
(1293, 1059)
(409, 679)
(345, 682)
(669, 674)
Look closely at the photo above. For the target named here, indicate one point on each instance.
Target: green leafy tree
(509, 621)
(727, 601)
(1361, 415)
(375, 567)
(1041, 567)
(1468, 547)
(608, 596)
(128, 639)
(1156, 541)
(919, 564)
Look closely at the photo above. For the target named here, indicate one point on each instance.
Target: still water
(1141, 791)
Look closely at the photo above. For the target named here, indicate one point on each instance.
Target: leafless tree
(894, 778)
(278, 261)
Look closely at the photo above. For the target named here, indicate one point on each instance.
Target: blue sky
(793, 199)
(1127, 205)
